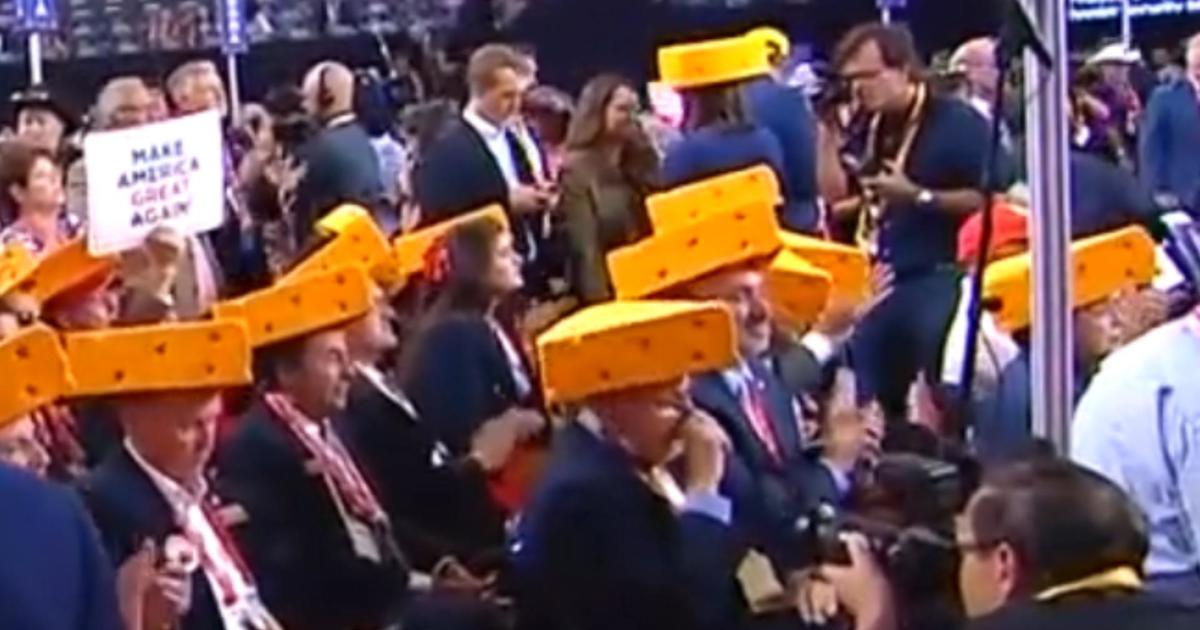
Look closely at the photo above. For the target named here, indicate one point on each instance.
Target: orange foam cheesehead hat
(409, 251)
(715, 61)
(35, 372)
(622, 345)
(350, 238)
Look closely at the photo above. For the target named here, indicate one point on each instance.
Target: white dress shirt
(235, 595)
(493, 137)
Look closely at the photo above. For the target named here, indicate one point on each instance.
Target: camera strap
(1120, 578)
(867, 233)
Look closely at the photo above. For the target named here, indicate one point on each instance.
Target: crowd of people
(546, 363)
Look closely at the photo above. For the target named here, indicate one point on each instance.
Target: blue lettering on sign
(231, 22)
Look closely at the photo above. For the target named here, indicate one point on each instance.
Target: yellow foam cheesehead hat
(16, 263)
(307, 305)
(353, 239)
(685, 204)
(1102, 265)
(159, 357)
(621, 345)
(796, 289)
(409, 250)
(720, 239)
(772, 38)
(55, 272)
(848, 266)
(35, 372)
(712, 62)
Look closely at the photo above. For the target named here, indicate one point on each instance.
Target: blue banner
(40, 16)
(231, 22)
(1092, 10)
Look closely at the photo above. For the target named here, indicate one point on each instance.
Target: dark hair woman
(464, 369)
(609, 169)
(31, 193)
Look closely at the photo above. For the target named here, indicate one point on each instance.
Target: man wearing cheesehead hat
(442, 516)
(610, 540)
(150, 497)
(720, 134)
(315, 534)
(55, 575)
(734, 254)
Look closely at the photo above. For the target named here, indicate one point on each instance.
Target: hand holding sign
(168, 174)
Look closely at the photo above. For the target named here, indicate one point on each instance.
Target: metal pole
(1127, 24)
(235, 91)
(1049, 182)
(35, 58)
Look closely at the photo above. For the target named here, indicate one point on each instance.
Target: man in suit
(786, 113)
(489, 156)
(340, 165)
(150, 499)
(316, 535)
(54, 575)
(442, 515)
(610, 539)
(1170, 132)
(764, 421)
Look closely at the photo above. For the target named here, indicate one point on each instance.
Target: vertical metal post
(1127, 24)
(35, 58)
(1049, 179)
(235, 89)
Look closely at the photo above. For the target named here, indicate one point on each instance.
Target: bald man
(976, 60)
(340, 164)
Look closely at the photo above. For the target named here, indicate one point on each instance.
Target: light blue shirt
(1139, 425)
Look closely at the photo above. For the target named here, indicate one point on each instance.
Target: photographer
(1043, 544)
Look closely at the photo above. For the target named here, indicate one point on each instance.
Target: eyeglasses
(975, 546)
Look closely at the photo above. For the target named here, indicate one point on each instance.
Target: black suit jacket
(777, 492)
(342, 167)
(459, 378)
(1092, 612)
(598, 550)
(295, 541)
(457, 174)
(53, 573)
(129, 509)
(437, 509)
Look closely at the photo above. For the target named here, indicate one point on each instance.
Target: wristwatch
(925, 197)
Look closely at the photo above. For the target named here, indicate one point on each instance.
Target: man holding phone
(489, 156)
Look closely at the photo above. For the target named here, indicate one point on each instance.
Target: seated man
(610, 540)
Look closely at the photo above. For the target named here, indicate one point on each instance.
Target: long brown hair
(638, 161)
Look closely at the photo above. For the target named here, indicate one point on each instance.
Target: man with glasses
(1043, 544)
(921, 162)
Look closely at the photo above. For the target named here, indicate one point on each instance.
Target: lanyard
(1120, 578)
(867, 233)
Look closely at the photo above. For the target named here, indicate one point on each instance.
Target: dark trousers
(903, 337)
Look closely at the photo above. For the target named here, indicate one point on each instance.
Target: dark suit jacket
(598, 550)
(780, 491)
(437, 510)
(459, 377)
(785, 113)
(457, 174)
(1170, 134)
(295, 541)
(53, 572)
(129, 509)
(342, 167)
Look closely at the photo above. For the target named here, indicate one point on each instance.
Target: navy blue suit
(459, 378)
(712, 151)
(295, 540)
(780, 490)
(786, 113)
(342, 167)
(129, 509)
(1105, 197)
(53, 572)
(438, 509)
(597, 549)
(1170, 135)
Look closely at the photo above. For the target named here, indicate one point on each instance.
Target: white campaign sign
(169, 173)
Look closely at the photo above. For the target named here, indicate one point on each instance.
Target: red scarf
(336, 464)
